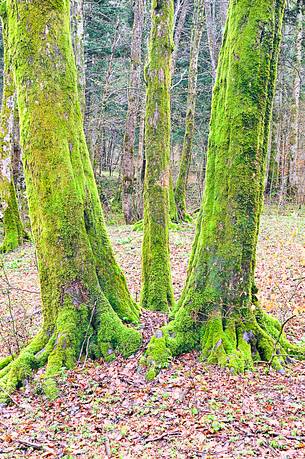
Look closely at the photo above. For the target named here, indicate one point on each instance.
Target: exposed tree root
(236, 343)
(74, 334)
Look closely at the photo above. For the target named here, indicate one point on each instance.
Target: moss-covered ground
(190, 408)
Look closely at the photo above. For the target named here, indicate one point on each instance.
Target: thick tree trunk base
(96, 334)
(234, 343)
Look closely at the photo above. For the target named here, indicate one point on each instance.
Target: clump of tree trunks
(84, 293)
(157, 292)
(218, 312)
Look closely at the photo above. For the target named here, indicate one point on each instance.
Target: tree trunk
(180, 16)
(14, 233)
(100, 136)
(211, 32)
(77, 29)
(223, 7)
(84, 292)
(181, 11)
(157, 291)
(128, 160)
(218, 311)
(186, 156)
(295, 174)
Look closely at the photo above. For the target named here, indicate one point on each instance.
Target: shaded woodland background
(107, 41)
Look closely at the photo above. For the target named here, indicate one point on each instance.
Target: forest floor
(191, 410)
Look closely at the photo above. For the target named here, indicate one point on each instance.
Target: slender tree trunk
(218, 311)
(181, 11)
(128, 159)
(186, 156)
(223, 8)
(180, 16)
(100, 137)
(14, 233)
(157, 291)
(211, 32)
(77, 29)
(295, 109)
(84, 292)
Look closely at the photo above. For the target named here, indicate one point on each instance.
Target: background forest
(107, 47)
(108, 29)
(129, 407)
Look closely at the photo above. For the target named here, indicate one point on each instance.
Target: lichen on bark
(157, 290)
(218, 312)
(84, 292)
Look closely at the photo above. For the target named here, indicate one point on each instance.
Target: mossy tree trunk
(218, 311)
(14, 233)
(157, 291)
(186, 156)
(84, 292)
(128, 157)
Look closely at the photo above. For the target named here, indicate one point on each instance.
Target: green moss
(215, 310)
(158, 354)
(157, 291)
(14, 233)
(114, 336)
(5, 362)
(84, 292)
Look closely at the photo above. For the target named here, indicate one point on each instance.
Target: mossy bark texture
(186, 156)
(218, 312)
(84, 293)
(14, 233)
(157, 291)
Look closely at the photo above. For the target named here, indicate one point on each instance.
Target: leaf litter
(190, 410)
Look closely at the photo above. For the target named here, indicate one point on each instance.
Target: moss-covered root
(179, 336)
(115, 337)
(232, 343)
(99, 333)
(103, 335)
(14, 372)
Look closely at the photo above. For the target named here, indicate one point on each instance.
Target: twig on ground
(175, 433)
(107, 447)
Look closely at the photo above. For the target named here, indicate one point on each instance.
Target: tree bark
(14, 233)
(295, 173)
(100, 135)
(128, 160)
(77, 29)
(180, 16)
(211, 33)
(84, 292)
(218, 311)
(223, 8)
(186, 156)
(157, 291)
